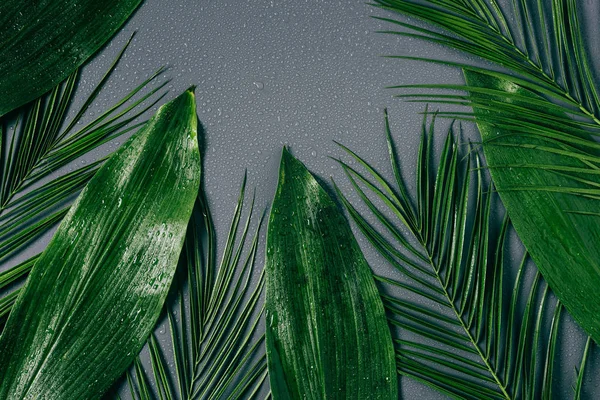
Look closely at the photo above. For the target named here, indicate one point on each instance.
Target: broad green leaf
(327, 336)
(42, 42)
(95, 293)
(549, 194)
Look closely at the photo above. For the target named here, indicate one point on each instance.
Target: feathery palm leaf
(216, 349)
(43, 141)
(537, 111)
(466, 337)
(548, 58)
(543, 51)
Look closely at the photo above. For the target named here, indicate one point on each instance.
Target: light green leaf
(95, 293)
(42, 42)
(327, 336)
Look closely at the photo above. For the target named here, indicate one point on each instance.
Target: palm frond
(542, 50)
(216, 350)
(464, 328)
(39, 139)
(537, 110)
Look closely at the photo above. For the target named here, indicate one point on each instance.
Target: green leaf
(549, 207)
(538, 109)
(95, 293)
(44, 41)
(326, 336)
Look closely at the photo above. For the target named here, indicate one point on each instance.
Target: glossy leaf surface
(549, 193)
(327, 336)
(95, 293)
(43, 42)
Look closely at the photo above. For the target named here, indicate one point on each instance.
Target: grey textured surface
(274, 73)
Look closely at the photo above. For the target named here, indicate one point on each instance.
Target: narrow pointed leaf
(42, 42)
(327, 336)
(550, 211)
(96, 292)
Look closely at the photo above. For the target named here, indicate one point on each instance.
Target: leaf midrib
(472, 340)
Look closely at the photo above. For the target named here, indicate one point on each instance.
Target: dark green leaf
(327, 337)
(42, 42)
(39, 146)
(538, 109)
(549, 209)
(95, 293)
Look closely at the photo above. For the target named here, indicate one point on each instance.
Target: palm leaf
(538, 113)
(459, 331)
(43, 42)
(97, 290)
(327, 336)
(40, 140)
(215, 346)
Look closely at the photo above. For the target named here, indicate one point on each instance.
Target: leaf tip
(286, 155)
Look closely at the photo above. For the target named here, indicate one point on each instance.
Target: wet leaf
(43, 42)
(327, 336)
(96, 292)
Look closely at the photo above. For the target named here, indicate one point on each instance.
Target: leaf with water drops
(550, 189)
(327, 336)
(97, 290)
(43, 42)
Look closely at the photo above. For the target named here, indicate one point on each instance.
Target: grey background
(275, 73)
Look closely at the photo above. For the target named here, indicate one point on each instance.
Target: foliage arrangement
(136, 251)
(538, 118)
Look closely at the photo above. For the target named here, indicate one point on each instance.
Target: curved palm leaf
(40, 141)
(459, 331)
(539, 117)
(216, 349)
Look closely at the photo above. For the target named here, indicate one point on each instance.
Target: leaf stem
(451, 305)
